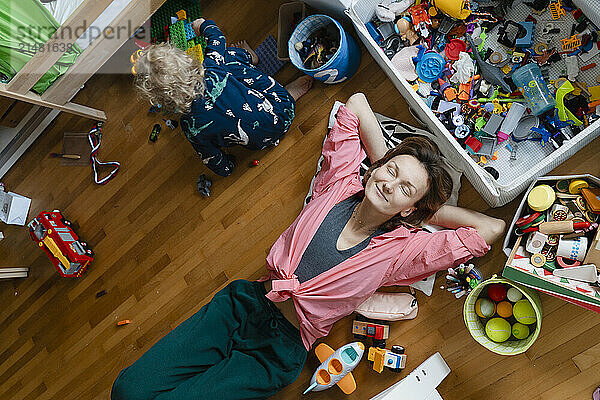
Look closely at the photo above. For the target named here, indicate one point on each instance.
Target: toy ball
(524, 312)
(497, 292)
(498, 329)
(485, 308)
(504, 309)
(520, 331)
(514, 294)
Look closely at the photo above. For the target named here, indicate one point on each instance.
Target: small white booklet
(14, 208)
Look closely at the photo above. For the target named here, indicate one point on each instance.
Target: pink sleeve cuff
(471, 239)
(347, 119)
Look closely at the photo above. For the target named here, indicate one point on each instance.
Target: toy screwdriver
(556, 227)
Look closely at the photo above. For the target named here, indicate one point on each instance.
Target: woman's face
(397, 185)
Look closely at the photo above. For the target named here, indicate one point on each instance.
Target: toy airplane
(336, 366)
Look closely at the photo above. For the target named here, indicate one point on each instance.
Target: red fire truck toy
(53, 233)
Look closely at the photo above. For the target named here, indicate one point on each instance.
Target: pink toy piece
(596, 395)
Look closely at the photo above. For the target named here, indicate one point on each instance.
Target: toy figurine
(404, 28)
(336, 367)
(490, 73)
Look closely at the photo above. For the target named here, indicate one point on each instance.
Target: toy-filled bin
(477, 329)
(341, 65)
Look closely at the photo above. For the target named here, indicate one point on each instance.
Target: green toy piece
(564, 114)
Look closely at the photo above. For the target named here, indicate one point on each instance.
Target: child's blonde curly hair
(167, 76)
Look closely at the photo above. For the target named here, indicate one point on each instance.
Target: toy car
(53, 233)
(364, 327)
(394, 359)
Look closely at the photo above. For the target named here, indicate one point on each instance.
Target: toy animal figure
(490, 73)
(336, 367)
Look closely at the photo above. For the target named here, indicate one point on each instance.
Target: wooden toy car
(394, 359)
(53, 233)
(369, 328)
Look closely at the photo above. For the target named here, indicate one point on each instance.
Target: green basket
(477, 329)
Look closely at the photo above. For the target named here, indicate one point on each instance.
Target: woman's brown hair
(439, 183)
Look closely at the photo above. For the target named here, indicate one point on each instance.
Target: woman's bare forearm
(369, 129)
(489, 228)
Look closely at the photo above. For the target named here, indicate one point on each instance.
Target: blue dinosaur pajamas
(240, 105)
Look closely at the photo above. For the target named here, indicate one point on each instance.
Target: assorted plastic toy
(560, 225)
(487, 77)
(319, 47)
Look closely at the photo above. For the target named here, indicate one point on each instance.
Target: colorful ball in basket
(520, 331)
(504, 309)
(524, 312)
(513, 295)
(498, 329)
(344, 62)
(497, 292)
(485, 308)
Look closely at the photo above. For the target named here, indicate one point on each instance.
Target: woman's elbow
(356, 102)
(494, 230)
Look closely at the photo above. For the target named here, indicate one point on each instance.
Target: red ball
(497, 292)
(255, 163)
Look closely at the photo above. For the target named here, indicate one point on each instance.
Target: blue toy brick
(189, 31)
(527, 40)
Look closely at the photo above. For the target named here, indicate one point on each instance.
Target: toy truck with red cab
(53, 234)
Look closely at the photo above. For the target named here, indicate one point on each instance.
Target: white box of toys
(553, 242)
(507, 167)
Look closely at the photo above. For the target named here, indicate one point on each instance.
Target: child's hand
(196, 25)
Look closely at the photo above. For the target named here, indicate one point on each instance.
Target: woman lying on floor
(225, 101)
(252, 338)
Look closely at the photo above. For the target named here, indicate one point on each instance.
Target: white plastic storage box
(533, 160)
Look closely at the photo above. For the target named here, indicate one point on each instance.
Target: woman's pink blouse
(399, 257)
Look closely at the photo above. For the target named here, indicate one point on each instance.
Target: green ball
(498, 329)
(524, 312)
(520, 331)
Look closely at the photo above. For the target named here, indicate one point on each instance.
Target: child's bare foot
(242, 44)
(300, 86)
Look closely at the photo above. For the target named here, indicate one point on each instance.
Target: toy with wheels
(53, 234)
(363, 327)
(394, 359)
(336, 367)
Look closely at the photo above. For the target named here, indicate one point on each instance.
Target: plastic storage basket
(344, 62)
(477, 329)
(514, 177)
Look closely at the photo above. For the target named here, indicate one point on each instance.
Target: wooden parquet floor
(162, 251)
